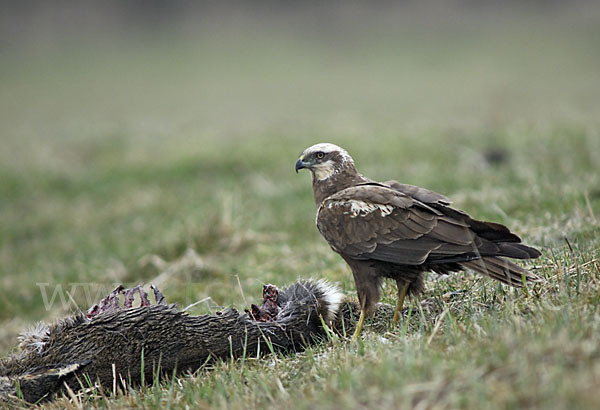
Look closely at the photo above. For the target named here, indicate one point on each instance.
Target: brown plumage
(399, 231)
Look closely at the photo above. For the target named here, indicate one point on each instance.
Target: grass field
(168, 158)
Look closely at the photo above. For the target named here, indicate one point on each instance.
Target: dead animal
(114, 346)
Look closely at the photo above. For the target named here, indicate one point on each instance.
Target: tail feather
(501, 270)
(517, 250)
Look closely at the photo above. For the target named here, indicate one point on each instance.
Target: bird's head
(324, 160)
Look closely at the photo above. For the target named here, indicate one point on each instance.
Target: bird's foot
(359, 326)
(400, 303)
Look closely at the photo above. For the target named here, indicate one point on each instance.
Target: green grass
(175, 154)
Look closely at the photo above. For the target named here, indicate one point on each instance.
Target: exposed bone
(159, 298)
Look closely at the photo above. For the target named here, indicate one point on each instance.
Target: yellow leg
(400, 303)
(359, 325)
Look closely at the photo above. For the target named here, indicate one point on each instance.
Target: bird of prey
(399, 231)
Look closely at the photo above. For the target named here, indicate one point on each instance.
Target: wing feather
(377, 222)
(422, 194)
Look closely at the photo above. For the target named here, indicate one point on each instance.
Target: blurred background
(204, 70)
(145, 137)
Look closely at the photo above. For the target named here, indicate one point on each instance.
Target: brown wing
(488, 230)
(421, 194)
(373, 221)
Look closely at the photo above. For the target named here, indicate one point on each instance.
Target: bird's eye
(320, 155)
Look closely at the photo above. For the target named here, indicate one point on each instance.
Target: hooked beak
(300, 164)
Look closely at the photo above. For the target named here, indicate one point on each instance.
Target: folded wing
(407, 225)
